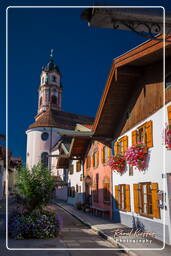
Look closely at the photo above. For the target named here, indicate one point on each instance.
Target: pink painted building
(97, 177)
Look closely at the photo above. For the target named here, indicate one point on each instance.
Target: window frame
(71, 169)
(78, 166)
(43, 160)
(54, 99)
(121, 195)
(88, 162)
(149, 200)
(168, 83)
(144, 134)
(106, 191)
(43, 134)
(95, 159)
(96, 189)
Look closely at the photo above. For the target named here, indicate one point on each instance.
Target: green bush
(35, 187)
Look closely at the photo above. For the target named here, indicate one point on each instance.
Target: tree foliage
(35, 187)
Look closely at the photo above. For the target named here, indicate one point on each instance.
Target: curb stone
(99, 232)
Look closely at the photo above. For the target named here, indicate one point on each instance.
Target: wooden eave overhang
(122, 84)
(63, 163)
(79, 146)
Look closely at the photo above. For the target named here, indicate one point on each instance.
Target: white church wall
(36, 145)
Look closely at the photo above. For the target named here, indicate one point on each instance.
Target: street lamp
(146, 22)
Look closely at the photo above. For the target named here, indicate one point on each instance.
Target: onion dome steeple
(51, 65)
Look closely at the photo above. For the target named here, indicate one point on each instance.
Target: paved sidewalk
(108, 230)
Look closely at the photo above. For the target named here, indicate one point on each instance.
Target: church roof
(60, 119)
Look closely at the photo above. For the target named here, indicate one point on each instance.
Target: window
(106, 190)
(71, 169)
(122, 197)
(131, 172)
(168, 80)
(44, 159)
(143, 134)
(121, 145)
(71, 191)
(95, 159)
(88, 162)
(146, 200)
(54, 78)
(43, 79)
(78, 166)
(46, 96)
(44, 136)
(40, 102)
(54, 99)
(77, 188)
(96, 189)
(106, 154)
(169, 114)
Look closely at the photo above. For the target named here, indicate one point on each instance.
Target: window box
(136, 155)
(118, 163)
(168, 137)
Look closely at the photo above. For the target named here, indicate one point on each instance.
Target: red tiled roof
(60, 119)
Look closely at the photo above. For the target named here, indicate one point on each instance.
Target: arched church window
(40, 101)
(54, 99)
(45, 136)
(44, 159)
(54, 78)
(43, 79)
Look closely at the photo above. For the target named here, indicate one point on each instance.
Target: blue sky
(84, 55)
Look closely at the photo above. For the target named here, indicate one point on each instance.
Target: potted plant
(136, 155)
(117, 163)
(34, 192)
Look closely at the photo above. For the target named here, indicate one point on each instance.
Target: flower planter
(168, 137)
(136, 155)
(118, 163)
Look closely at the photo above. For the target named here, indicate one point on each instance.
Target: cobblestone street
(74, 235)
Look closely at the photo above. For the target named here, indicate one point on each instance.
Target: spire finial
(51, 53)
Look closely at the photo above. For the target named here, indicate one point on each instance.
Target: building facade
(132, 112)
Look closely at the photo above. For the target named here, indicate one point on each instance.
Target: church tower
(42, 134)
(50, 121)
(50, 89)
